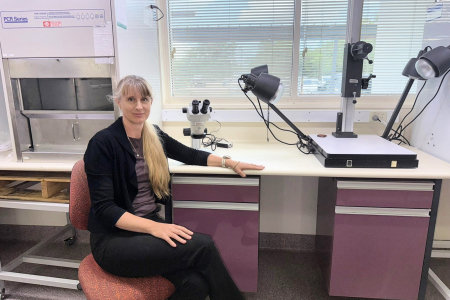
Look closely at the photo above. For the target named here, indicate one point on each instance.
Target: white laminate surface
(278, 159)
(365, 144)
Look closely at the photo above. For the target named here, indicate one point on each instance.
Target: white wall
(138, 49)
(29, 217)
(443, 221)
(4, 127)
(288, 204)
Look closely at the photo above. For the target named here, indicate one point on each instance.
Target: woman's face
(135, 107)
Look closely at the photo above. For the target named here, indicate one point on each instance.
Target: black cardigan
(110, 169)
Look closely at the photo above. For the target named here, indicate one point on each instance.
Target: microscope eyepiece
(195, 105)
(205, 106)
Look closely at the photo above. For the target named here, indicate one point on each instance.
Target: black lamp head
(266, 87)
(261, 69)
(410, 70)
(434, 63)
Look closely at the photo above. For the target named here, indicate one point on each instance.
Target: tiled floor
(282, 274)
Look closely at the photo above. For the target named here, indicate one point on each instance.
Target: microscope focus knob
(184, 110)
(187, 131)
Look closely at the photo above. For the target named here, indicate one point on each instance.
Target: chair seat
(98, 284)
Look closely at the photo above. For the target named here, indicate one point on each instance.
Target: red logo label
(52, 24)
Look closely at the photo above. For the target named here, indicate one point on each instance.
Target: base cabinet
(227, 208)
(374, 248)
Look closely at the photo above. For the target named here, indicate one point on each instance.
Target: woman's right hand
(168, 232)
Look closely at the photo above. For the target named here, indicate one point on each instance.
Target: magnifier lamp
(434, 63)
(264, 86)
(427, 65)
(269, 89)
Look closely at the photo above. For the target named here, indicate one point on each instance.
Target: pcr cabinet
(371, 236)
(227, 208)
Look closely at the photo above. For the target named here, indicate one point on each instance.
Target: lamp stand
(300, 134)
(397, 109)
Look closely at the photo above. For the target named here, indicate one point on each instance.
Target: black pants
(195, 268)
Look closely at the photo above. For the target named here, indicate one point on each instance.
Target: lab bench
(365, 227)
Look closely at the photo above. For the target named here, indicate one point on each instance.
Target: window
(210, 43)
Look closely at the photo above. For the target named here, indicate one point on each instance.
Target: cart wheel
(3, 294)
(70, 241)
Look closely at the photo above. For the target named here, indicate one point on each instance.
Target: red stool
(96, 283)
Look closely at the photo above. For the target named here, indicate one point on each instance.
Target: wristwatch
(225, 157)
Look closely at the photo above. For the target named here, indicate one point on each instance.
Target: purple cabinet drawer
(215, 189)
(235, 233)
(385, 194)
(377, 256)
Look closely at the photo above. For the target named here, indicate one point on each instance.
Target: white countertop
(278, 159)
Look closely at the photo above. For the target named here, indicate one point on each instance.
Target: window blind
(394, 28)
(212, 43)
(322, 38)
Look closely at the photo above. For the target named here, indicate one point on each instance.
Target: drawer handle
(216, 205)
(76, 131)
(381, 211)
(385, 186)
(216, 181)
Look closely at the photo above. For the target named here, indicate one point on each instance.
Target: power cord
(300, 144)
(402, 140)
(264, 119)
(153, 7)
(399, 130)
(210, 140)
(402, 129)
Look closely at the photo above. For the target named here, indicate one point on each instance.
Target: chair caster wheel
(3, 294)
(70, 241)
(79, 287)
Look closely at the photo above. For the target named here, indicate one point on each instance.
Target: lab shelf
(51, 184)
(15, 193)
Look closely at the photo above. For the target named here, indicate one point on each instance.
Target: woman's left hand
(240, 166)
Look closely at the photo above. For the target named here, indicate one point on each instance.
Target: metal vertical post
(10, 108)
(430, 238)
(353, 35)
(2, 283)
(73, 230)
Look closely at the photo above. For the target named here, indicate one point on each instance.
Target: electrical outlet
(382, 115)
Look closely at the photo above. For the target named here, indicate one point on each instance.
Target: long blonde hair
(155, 159)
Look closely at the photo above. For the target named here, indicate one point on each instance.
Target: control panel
(56, 29)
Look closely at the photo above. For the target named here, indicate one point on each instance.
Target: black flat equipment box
(365, 151)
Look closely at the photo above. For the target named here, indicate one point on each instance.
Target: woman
(127, 171)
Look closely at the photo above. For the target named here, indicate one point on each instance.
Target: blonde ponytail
(156, 161)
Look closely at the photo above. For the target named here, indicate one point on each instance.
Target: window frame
(317, 101)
